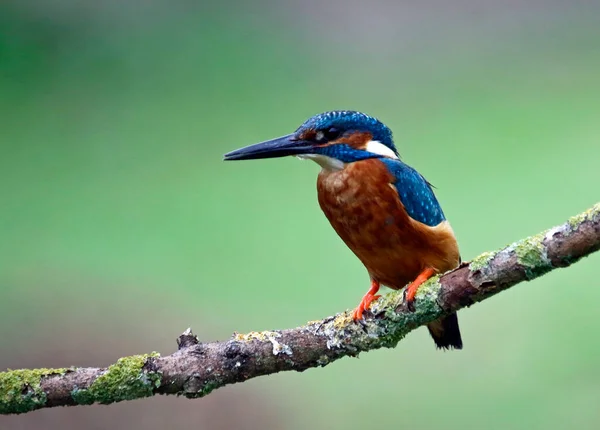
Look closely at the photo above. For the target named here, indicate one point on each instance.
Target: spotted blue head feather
(347, 120)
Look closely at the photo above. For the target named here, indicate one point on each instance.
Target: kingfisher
(384, 210)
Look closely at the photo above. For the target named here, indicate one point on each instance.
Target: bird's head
(332, 139)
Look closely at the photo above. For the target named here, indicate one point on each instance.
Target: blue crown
(346, 120)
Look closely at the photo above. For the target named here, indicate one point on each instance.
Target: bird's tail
(445, 332)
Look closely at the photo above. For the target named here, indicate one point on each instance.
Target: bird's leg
(411, 290)
(366, 300)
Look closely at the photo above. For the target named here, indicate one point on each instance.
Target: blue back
(415, 193)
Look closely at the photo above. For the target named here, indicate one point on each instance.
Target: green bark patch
(124, 380)
(21, 391)
(482, 261)
(591, 213)
(531, 254)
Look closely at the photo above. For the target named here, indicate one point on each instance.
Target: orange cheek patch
(356, 140)
(308, 134)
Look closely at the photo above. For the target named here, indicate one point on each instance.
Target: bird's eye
(327, 135)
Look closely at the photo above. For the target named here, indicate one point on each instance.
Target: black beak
(280, 147)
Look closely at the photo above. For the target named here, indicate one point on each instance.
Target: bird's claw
(411, 290)
(410, 304)
(357, 315)
(364, 305)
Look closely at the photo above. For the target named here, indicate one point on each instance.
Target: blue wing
(415, 193)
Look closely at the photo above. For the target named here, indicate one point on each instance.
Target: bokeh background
(120, 226)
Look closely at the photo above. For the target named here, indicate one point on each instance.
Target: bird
(385, 211)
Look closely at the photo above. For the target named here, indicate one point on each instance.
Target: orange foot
(366, 300)
(411, 290)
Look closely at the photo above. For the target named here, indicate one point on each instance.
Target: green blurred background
(120, 225)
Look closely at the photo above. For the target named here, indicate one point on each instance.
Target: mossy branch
(198, 368)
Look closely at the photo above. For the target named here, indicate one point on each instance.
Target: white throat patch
(327, 163)
(379, 148)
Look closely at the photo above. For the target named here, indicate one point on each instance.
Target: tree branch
(198, 368)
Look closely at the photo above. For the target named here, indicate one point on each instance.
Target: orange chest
(363, 207)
